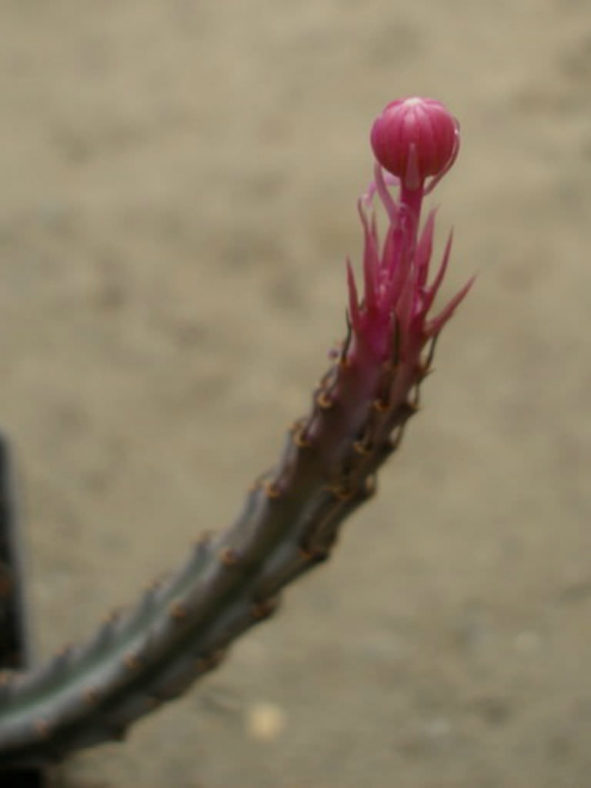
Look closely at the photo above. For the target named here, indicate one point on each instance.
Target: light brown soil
(178, 196)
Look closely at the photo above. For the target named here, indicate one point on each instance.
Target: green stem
(180, 629)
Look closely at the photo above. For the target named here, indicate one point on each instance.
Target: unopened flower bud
(414, 138)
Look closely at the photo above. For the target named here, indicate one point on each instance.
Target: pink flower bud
(414, 138)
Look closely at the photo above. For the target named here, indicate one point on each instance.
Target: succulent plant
(182, 628)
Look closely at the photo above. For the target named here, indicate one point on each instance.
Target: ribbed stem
(179, 630)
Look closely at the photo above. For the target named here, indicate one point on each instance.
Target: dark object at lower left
(15, 646)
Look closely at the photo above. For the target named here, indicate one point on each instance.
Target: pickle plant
(181, 628)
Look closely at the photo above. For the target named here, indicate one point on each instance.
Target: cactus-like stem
(181, 628)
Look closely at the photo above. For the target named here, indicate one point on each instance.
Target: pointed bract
(413, 138)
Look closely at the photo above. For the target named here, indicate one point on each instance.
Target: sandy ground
(178, 197)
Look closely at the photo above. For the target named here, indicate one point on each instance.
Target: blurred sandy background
(178, 196)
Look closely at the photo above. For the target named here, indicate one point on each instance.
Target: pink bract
(420, 137)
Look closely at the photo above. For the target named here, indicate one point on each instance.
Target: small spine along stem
(296, 454)
(324, 400)
(299, 435)
(329, 379)
(312, 557)
(373, 444)
(178, 611)
(341, 492)
(229, 557)
(361, 449)
(271, 489)
(380, 406)
(301, 440)
(264, 608)
(258, 483)
(325, 396)
(133, 662)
